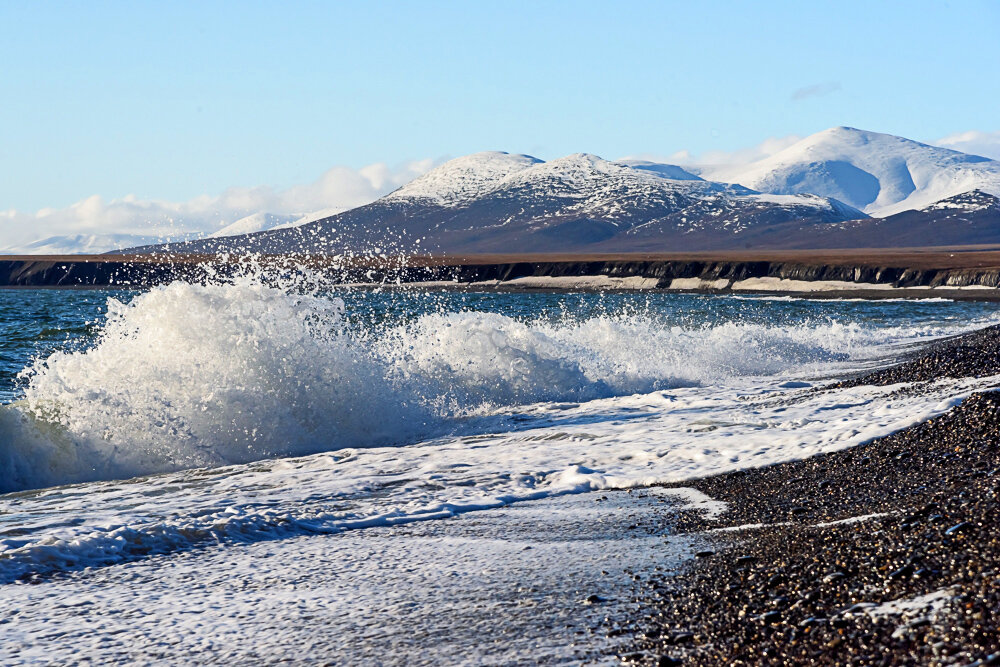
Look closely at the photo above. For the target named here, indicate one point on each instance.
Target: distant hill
(880, 174)
(496, 202)
(838, 188)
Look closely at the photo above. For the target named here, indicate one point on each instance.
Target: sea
(246, 472)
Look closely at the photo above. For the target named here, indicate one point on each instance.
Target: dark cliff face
(667, 271)
(122, 273)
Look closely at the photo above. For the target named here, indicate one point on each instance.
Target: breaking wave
(191, 375)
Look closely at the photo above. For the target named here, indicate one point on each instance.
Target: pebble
(813, 606)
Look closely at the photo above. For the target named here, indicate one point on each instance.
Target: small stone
(704, 554)
(902, 572)
(959, 528)
(682, 638)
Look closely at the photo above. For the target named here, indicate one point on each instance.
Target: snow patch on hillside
(880, 174)
(463, 179)
(586, 186)
(670, 171)
(256, 222)
(88, 244)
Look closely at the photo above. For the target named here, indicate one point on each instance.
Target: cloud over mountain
(100, 224)
(986, 144)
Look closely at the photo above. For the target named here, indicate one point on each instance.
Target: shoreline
(962, 273)
(884, 553)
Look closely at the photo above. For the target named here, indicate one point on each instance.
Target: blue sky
(175, 100)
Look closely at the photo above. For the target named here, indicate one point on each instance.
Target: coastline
(885, 553)
(581, 601)
(963, 273)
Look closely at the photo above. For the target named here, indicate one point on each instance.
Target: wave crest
(192, 375)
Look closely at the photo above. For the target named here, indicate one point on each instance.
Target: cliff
(914, 270)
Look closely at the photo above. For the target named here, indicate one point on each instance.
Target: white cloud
(986, 144)
(741, 156)
(121, 220)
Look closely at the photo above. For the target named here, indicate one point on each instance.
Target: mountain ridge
(838, 185)
(881, 174)
(497, 201)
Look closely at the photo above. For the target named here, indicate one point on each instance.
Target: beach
(954, 272)
(885, 553)
(244, 471)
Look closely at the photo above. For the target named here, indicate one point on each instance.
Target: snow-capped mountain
(463, 179)
(815, 193)
(92, 244)
(496, 202)
(256, 222)
(259, 222)
(880, 174)
(970, 218)
(85, 244)
(665, 170)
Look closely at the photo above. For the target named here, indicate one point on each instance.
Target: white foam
(190, 375)
(851, 520)
(930, 604)
(443, 414)
(504, 589)
(618, 442)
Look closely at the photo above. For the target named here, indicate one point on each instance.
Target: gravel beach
(883, 554)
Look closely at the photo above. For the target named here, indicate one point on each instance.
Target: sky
(188, 101)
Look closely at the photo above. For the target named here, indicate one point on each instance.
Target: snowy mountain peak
(976, 200)
(573, 168)
(464, 178)
(253, 223)
(668, 171)
(880, 174)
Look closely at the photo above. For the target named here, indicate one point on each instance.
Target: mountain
(970, 218)
(82, 244)
(497, 202)
(664, 170)
(88, 244)
(463, 179)
(256, 222)
(880, 174)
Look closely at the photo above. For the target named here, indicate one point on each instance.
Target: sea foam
(192, 375)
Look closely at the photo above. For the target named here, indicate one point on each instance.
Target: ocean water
(248, 472)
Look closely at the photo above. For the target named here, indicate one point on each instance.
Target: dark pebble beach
(811, 553)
